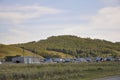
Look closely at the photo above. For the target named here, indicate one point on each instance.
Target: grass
(8, 50)
(62, 55)
(62, 71)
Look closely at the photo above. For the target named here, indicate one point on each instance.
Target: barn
(26, 60)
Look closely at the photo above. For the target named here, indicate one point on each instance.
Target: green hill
(9, 50)
(72, 46)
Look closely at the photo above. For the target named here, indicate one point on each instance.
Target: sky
(32, 20)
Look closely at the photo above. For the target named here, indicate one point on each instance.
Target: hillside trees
(73, 45)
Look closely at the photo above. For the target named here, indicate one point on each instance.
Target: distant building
(48, 60)
(88, 59)
(81, 60)
(58, 60)
(26, 60)
(0, 62)
(98, 59)
(117, 59)
(68, 60)
(110, 58)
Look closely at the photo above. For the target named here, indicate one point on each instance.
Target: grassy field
(62, 71)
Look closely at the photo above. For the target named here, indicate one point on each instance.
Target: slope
(9, 50)
(74, 46)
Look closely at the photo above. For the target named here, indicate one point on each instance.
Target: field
(60, 71)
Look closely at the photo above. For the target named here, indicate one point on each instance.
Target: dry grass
(64, 71)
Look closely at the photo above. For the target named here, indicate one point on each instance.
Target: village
(38, 60)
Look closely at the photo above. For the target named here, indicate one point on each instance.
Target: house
(110, 58)
(88, 59)
(67, 60)
(26, 60)
(81, 60)
(99, 59)
(0, 62)
(48, 60)
(117, 59)
(58, 60)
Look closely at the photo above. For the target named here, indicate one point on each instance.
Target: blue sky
(32, 20)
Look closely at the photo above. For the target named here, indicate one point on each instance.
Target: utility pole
(23, 51)
(34, 52)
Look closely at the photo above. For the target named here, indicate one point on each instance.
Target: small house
(88, 59)
(0, 62)
(98, 59)
(117, 59)
(48, 60)
(58, 60)
(26, 60)
(67, 60)
(109, 58)
(81, 60)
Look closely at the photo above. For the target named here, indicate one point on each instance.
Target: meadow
(59, 71)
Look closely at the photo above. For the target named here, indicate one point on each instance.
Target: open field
(60, 71)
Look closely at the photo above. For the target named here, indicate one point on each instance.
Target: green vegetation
(64, 46)
(7, 51)
(64, 71)
(74, 46)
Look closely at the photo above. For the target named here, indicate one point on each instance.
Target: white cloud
(17, 14)
(15, 35)
(108, 17)
(104, 25)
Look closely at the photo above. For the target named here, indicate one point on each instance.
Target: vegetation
(9, 51)
(74, 46)
(63, 46)
(64, 71)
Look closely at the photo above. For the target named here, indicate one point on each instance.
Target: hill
(9, 50)
(72, 46)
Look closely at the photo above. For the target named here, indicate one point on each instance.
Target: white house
(26, 60)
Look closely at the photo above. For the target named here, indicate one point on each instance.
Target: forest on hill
(72, 46)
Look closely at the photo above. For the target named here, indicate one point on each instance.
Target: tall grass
(63, 71)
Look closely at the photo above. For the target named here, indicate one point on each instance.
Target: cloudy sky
(33, 20)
